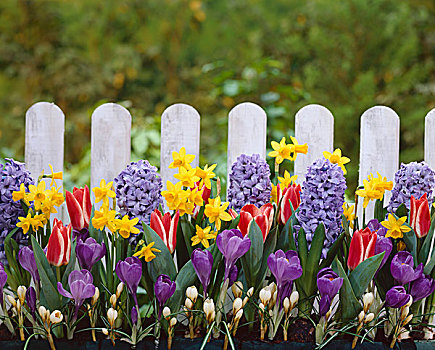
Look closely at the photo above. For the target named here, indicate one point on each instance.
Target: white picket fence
(247, 123)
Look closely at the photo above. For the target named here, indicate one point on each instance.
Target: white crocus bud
(368, 301)
(119, 289)
(361, 316)
(173, 322)
(192, 294)
(250, 292)
(404, 313)
(47, 316)
(11, 299)
(112, 314)
(369, 317)
(113, 300)
(237, 305)
(239, 315)
(188, 303)
(209, 310)
(409, 303)
(286, 304)
(21, 292)
(265, 296)
(56, 317)
(42, 311)
(273, 300)
(261, 306)
(95, 296)
(18, 306)
(294, 298)
(272, 288)
(407, 320)
(237, 289)
(245, 300)
(166, 312)
(105, 331)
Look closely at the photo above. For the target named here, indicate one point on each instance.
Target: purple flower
(202, 262)
(232, 245)
(383, 244)
(234, 273)
(26, 258)
(422, 287)
(413, 179)
(12, 175)
(163, 289)
(134, 315)
(286, 267)
(328, 284)
(396, 297)
(137, 190)
(322, 199)
(129, 272)
(89, 252)
(81, 288)
(3, 280)
(375, 226)
(249, 182)
(31, 300)
(402, 268)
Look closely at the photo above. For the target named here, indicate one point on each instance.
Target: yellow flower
(187, 177)
(103, 192)
(104, 217)
(287, 180)
(54, 176)
(195, 196)
(39, 221)
(181, 160)
(173, 195)
(37, 194)
(274, 194)
(374, 188)
(349, 214)
(185, 207)
(147, 252)
(206, 174)
(215, 212)
(337, 158)
(18, 195)
(126, 226)
(48, 208)
(396, 227)
(25, 222)
(202, 236)
(55, 196)
(297, 148)
(401, 246)
(381, 183)
(280, 151)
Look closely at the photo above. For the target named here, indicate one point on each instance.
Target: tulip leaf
(401, 210)
(234, 223)
(185, 278)
(163, 263)
(251, 261)
(269, 247)
(313, 260)
(349, 304)
(364, 273)
(71, 264)
(332, 252)
(302, 247)
(430, 265)
(49, 292)
(181, 248)
(188, 232)
(410, 240)
(425, 248)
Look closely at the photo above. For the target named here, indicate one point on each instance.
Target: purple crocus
(164, 288)
(202, 262)
(81, 288)
(383, 244)
(3, 279)
(129, 272)
(31, 300)
(134, 315)
(232, 245)
(286, 267)
(26, 258)
(375, 226)
(397, 297)
(89, 252)
(422, 287)
(233, 275)
(402, 268)
(328, 284)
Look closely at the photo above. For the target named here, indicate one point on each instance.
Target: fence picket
(179, 128)
(314, 125)
(379, 148)
(110, 142)
(429, 139)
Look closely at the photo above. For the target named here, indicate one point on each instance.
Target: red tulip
(205, 196)
(420, 216)
(165, 227)
(290, 194)
(362, 247)
(233, 213)
(263, 217)
(79, 207)
(59, 244)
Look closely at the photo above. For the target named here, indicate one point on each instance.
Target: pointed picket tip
(314, 125)
(429, 138)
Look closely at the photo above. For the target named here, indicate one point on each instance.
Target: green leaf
(48, 279)
(163, 263)
(302, 248)
(401, 211)
(410, 240)
(364, 273)
(188, 232)
(251, 261)
(234, 223)
(71, 264)
(314, 256)
(425, 248)
(379, 210)
(185, 278)
(269, 247)
(332, 252)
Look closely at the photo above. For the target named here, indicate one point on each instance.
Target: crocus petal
(64, 292)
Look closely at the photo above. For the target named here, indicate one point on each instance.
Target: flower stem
(58, 273)
(220, 308)
(50, 341)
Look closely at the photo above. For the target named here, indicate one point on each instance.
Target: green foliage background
(282, 54)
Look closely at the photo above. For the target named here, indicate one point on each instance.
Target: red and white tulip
(79, 207)
(362, 247)
(165, 227)
(290, 194)
(59, 244)
(420, 216)
(262, 216)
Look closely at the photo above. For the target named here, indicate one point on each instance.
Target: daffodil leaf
(251, 261)
(269, 247)
(188, 232)
(332, 252)
(364, 273)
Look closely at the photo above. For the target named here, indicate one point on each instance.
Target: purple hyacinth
(13, 174)
(322, 199)
(89, 252)
(3, 280)
(412, 179)
(138, 189)
(249, 182)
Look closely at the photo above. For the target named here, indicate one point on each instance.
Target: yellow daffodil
(401, 246)
(374, 188)
(336, 158)
(181, 160)
(381, 183)
(173, 195)
(37, 193)
(195, 196)
(55, 196)
(126, 226)
(281, 151)
(18, 195)
(297, 148)
(26, 222)
(185, 207)
(187, 177)
(395, 227)
(39, 221)
(216, 212)
(147, 252)
(274, 194)
(54, 176)
(104, 218)
(202, 236)
(104, 192)
(48, 208)
(349, 213)
(287, 180)
(206, 175)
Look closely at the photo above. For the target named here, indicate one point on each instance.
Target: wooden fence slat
(314, 125)
(429, 139)
(180, 127)
(379, 149)
(110, 142)
(247, 130)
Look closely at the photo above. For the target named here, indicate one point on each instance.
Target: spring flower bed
(281, 263)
